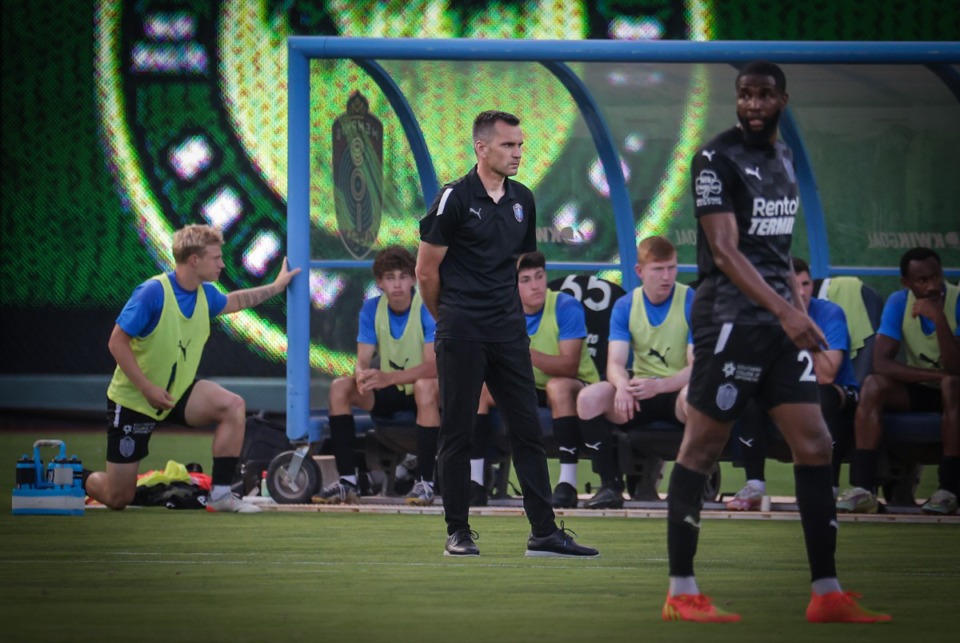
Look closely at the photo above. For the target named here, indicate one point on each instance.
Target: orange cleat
(841, 607)
(697, 608)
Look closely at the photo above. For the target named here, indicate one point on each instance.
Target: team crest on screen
(726, 396)
(518, 212)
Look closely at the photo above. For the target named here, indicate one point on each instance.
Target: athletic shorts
(733, 364)
(389, 400)
(926, 399)
(128, 432)
(659, 408)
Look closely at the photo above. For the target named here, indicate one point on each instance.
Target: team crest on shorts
(518, 212)
(726, 396)
(126, 446)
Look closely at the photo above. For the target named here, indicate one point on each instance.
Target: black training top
(758, 185)
(479, 299)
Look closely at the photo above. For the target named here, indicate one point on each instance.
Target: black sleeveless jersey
(758, 185)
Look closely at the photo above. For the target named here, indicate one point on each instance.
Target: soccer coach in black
(467, 271)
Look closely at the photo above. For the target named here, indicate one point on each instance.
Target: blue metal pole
(610, 159)
(411, 127)
(809, 197)
(627, 50)
(298, 244)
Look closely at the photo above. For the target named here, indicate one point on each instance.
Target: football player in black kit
(752, 339)
(467, 270)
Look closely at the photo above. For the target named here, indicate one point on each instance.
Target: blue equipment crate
(54, 490)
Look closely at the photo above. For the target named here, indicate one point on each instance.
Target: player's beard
(763, 137)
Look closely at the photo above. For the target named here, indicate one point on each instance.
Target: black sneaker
(460, 543)
(478, 495)
(564, 496)
(609, 497)
(559, 544)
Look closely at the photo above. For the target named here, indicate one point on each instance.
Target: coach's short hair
(532, 261)
(194, 239)
(394, 258)
(655, 248)
(916, 254)
(764, 68)
(484, 123)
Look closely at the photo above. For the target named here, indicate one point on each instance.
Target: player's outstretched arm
(250, 297)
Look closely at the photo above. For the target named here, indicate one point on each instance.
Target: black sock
(224, 470)
(426, 451)
(863, 469)
(753, 441)
(832, 406)
(818, 516)
(950, 474)
(598, 440)
(343, 431)
(684, 502)
(566, 430)
(482, 437)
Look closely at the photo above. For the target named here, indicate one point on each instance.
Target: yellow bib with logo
(922, 350)
(547, 341)
(169, 356)
(406, 351)
(659, 351)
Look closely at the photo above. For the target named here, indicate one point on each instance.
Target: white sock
(351, 479)
(219, 491)
(823, 586)
(759, 485)
(476, 471)
(683, 585)
(568, 473)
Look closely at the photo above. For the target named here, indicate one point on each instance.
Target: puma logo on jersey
(476, 212)
(593, 447)
(708, 154)
(398, 367)
(753, 172)
(663, 358)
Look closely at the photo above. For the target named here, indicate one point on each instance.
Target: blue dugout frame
(936, 56)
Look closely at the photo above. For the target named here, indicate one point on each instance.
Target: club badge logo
(726, 397)
(358, 175)
(518, 212)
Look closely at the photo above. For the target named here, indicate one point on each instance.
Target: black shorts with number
(390, 399)
(735, 363)
(128, 431)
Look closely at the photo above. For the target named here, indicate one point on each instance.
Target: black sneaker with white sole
(559, 544)
(460, 543)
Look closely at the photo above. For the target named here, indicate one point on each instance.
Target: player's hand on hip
(803, 331)
(159, 398)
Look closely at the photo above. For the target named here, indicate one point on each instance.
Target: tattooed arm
(250, 297)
